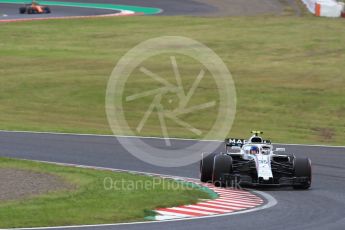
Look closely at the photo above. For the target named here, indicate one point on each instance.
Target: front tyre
(302, 168)
(46, 10)
(206, 167)
(222, 165)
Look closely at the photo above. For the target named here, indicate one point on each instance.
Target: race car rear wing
(231, 142)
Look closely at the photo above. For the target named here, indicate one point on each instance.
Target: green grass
(289, 74)
(90, 202)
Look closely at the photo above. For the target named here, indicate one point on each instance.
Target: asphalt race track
(322, 207)
(169, 7)
(11, 11)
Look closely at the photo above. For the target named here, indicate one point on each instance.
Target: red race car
(34, 8)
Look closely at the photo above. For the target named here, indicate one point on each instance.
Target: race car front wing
(235, 180)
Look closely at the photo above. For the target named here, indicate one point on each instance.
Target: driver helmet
(254, 150)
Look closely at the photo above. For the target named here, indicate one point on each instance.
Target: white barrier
(325, 8)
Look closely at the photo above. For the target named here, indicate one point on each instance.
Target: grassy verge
(289, 74)
(93, 201)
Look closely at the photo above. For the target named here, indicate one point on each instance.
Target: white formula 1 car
(255, 162)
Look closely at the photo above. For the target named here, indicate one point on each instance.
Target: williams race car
(34, 8)
(254, 162)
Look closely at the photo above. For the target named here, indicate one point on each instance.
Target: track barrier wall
(325, 8)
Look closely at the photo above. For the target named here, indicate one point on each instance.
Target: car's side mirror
(280, 150)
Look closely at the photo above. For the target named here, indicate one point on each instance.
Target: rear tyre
(47, 10)
(22, 10)
(222, 165)
(302, 168)
(206, 168)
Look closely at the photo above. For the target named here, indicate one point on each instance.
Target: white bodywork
(262, 159)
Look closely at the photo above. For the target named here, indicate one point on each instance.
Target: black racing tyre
(222, 164)
(46, 10)
(22, 10)
(206, 167)
(302, 168)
